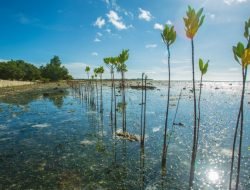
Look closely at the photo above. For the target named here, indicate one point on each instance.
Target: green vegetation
(168, 36)
(87, 70)
(242, 56)
(192, 23)
(20, 70)
(54, 71)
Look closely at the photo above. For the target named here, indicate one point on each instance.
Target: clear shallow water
(61, 142)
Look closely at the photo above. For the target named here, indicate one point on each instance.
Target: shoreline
(34, 88)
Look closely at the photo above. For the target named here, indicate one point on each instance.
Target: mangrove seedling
(168, 36)
(87, 70)
(242, 56)
(122, 68)
(193, 22)
(203, 69)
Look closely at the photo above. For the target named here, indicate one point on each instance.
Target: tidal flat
(64, 138)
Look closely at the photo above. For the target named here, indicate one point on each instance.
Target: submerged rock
(140, 87)
(179, 124)
(127, 136)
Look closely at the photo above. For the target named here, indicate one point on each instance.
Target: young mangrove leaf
(204, 70)
(193, 21)
(246, 58)
(201, 64)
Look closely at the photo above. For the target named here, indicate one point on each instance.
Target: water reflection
(213, 176)
(71, 145)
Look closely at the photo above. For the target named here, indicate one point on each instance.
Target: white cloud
(108, 30)
(94, 53)
(76, 69)
(97, 40)
(100, 22)
(99, 34)
(151, 46)
(212, 16)
(169, 22)
(116, 20)
(230, 2)
(144, 15)
(158, 26)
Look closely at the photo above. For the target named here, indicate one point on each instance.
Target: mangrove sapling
(244, 54)
(142, 106)
(193, 21)
(87, 70)
(144, 86)
(100, 71)
(168, 36)
(203, 69)
(96, 72)
(122, 68)
(107, 61)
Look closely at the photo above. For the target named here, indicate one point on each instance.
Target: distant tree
(18, 70)
(54, 70)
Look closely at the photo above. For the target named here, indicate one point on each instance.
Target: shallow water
(62, 142)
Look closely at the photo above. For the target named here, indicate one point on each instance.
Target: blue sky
(83, 32)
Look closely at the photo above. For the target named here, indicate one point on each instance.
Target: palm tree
(168, 36)
(203, 69)
(122, 68)
(240, 52)
(193, 21)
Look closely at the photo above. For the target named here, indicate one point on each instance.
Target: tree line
(21, 70)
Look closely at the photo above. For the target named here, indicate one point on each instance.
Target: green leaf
(204, 71)
(200, 64)
(201, 21)
(199, 12)
(240, 49)
(235, 54)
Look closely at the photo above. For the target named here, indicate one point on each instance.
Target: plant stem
(142, 107)
(192, 169)
(145, 100)
(164, 151)
(199, 114)
(244, 73)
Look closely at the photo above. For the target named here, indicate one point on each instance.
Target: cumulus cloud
(169, 22)
(99, 34)
(116, 20)
(76, 69)
(100, 22)
(97, 40)
(151, 46)
(230, 2)
(94, 53)
(158, 26)
(144, 15)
